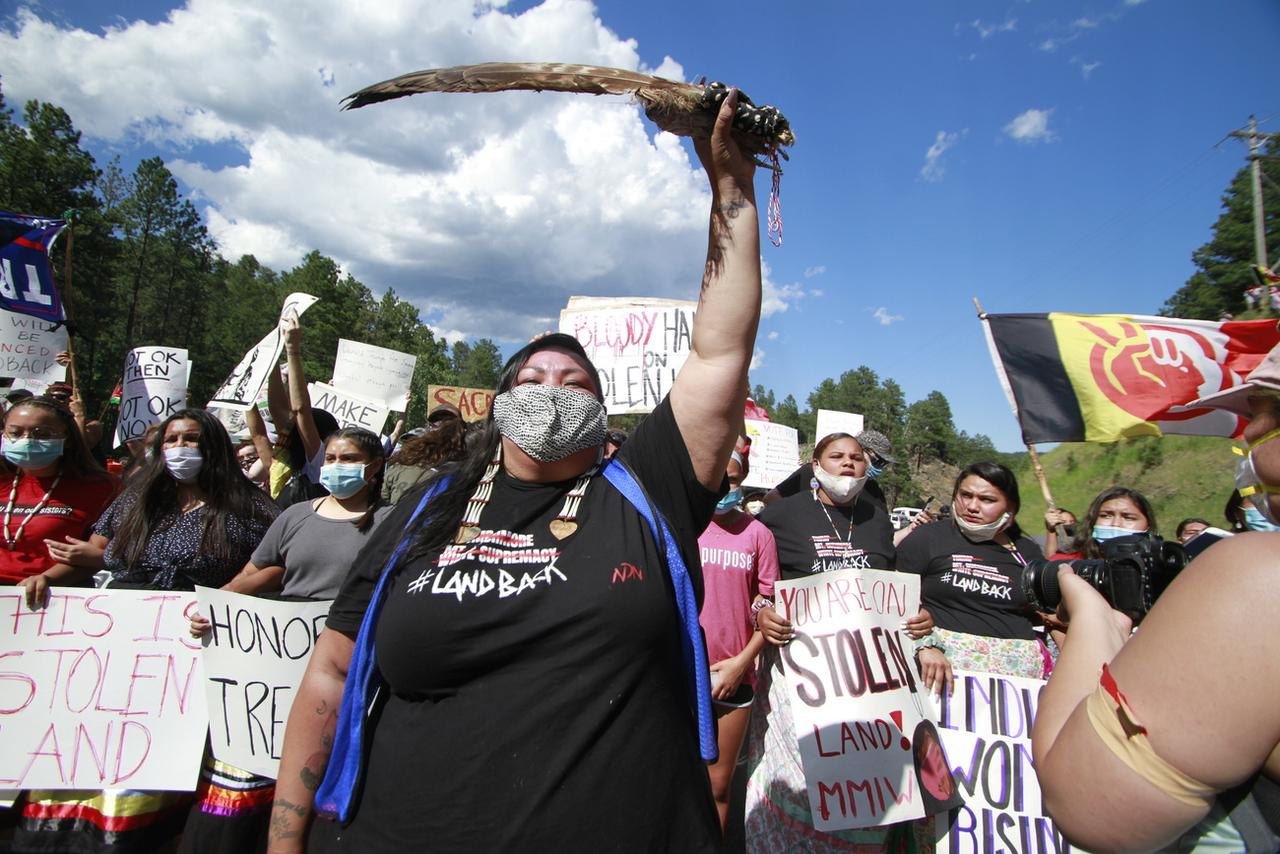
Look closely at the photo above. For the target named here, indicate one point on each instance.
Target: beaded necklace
(563, 525)
(10, 541)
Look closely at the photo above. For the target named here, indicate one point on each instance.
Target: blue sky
(1040, 156)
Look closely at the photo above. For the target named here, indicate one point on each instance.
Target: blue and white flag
(26, 279)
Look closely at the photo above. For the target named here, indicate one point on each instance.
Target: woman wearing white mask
(516, 654)
(305, 555)
(831, 526)
(1175, 727)
(189, 516)
(56, 492)
(970, 568)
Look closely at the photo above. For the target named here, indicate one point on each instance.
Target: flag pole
(69, 216)
(1031, 452)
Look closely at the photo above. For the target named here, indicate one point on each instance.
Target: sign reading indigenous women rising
(254, 657)
(986, 731)
(100, 689)
(856, 700)
(1100, 378)
(637, 345)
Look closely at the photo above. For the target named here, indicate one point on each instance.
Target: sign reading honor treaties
(100, 689)
(855, 696)
(637, 345)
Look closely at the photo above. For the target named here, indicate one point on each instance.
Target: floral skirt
(777, 811)
(1002, 656)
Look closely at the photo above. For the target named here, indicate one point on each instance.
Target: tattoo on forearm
(313, 770)
(284, 816)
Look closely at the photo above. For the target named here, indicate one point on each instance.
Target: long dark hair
(371, 446)
(440, 444)
(77, 460)
(448, 507)
(227, 492)
(1002, 479)
(1084, 542)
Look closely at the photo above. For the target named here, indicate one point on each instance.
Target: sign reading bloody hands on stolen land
(255, 654)
(637, 345)
(855, 696)
(100, 689)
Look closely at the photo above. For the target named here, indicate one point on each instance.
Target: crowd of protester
(559, 717)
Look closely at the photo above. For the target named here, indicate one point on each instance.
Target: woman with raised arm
(539, 665)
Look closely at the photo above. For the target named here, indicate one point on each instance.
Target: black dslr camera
(1132, 573)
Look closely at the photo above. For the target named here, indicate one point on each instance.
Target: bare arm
(1175, 672)
(255, 580)
(708, 395)
(308, 741)
(278, 401)
(37, 586)
(258, 433)
(299, 397)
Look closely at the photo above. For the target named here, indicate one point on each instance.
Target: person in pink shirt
(739, 568)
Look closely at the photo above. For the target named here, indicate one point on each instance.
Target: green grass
(1181, 475)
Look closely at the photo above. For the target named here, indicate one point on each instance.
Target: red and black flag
(1099, 378)
(26, 279)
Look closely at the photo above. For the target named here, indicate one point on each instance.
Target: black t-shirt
(538, 697)
(798, 481)
(816, 537)
(970, 587)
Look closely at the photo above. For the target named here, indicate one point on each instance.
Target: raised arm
(308, 742)
(1204, 691)
(708, 395)
(299, 397)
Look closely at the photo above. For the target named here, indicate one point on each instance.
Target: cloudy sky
(1041, 156)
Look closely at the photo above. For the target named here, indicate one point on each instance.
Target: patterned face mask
(550, 422)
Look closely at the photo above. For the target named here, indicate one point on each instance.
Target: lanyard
(11, 541)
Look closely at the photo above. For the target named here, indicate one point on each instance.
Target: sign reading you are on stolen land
(856, 699)
(100, 689)
(637, 345)
(254, 657)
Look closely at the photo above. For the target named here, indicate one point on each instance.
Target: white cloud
(882, 314)
(933, 170)
(776, 298)
(757, 359)
(816, 292)
(816, 270)
(1085, 24)
(1031, 127)
(986, 30)
(773, 335)
(486, 211)
(1086, 68)
(1134, 2)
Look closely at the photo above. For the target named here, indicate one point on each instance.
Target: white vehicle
(901, 517)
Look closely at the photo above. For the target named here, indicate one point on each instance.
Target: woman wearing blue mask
(1115, 512)
(305, 555)
(56, 491)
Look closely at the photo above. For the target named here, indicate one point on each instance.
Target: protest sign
(351, 410)
(254, 657)
(775, 453)
(854, 693)
(833, 421)
(29, 347)
(473, 403)
(154, 387)
(33, 386)
(380, 374)
(101, 689)
(241, 389)
(986, 731)
(637, 345)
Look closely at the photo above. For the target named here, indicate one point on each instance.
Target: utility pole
(1259, 228)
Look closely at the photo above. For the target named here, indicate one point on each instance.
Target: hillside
(1181, 475)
